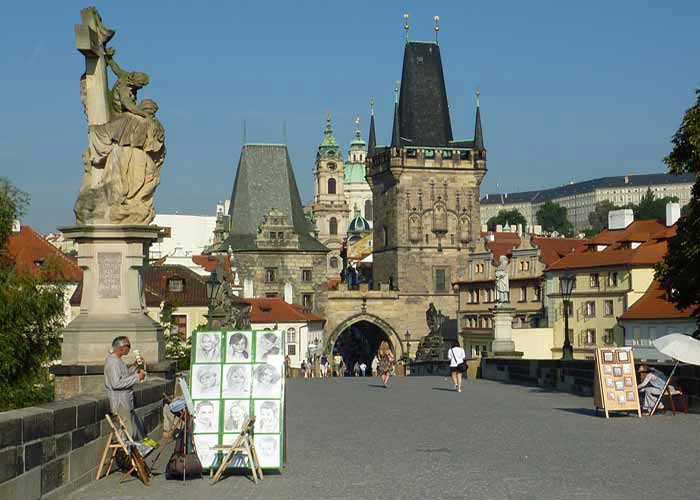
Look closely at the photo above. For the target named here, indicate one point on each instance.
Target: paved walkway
(350, 439)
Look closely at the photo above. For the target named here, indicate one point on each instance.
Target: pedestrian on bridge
(385, 362)
(458, 365)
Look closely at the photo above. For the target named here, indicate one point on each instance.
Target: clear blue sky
(569, 92)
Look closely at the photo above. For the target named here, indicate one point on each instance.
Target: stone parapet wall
(576, 376)
(49, 451)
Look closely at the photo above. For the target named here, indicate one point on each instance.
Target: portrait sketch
(607, 369)
(206, 381)
(267, 416)
(237, 381)
(609, 382)
(203, 443)
(206, 416)
(630, 396)
(238, 347)
(623, 356)
(267, 381)
(268, 346)
(617, 371)
(627, 368)
(619, 385)
(268, 447)
(611, 395)
(236, 412)
(208, 347)
(608, 356)
(628, 381)
(621, 398)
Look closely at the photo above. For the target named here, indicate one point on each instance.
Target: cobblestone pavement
(352, 439)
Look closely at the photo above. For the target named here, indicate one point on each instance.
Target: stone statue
(434, 319)
(126, 142)
(433, 346)
(502, 281)
(228, 311)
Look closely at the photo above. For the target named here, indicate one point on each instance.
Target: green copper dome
(329, 147)
(359, 224)
(355, 170)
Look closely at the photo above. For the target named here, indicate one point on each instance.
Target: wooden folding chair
(115, 442)
(242, 445)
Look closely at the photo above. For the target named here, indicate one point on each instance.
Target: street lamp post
(213, 285)
(407, 336)
(566, 286)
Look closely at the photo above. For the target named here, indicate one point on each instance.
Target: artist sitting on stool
(119, 383)
(652, 385)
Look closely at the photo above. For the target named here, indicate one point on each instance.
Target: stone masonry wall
(51, 450)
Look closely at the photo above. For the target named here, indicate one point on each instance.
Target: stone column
(503, 345)
(112, 258)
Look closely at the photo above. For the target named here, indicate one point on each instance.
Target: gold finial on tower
(371, 106)
(478, 96)
(396, 91)
(406, 26)
(437, 27)
(357, 122)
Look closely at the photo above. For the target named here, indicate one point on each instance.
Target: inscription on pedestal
(109, 274)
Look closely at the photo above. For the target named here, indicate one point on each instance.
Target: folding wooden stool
(115, 442)
(245, 446)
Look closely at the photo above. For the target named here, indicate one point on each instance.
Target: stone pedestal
(112, 258)
(503, 344)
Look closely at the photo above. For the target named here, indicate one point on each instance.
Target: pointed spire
(328, 137)
(478, 133)
(372, 139)
(395, 133)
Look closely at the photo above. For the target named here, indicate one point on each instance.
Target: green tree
(598, 218)
(552, 217)
(176, 348)
(31, 318)
(511, 217)
(651, 207)
(679, 271)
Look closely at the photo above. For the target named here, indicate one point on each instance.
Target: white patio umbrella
(683, 349)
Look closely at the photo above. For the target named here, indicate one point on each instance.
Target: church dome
(359, 224)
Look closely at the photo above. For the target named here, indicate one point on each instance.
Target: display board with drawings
(615, 381)
(236, 375)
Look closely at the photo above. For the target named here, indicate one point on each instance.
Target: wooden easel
(115, 443)
(245, 446)
(615, 365)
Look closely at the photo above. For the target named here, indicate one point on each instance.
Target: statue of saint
(126, 142)
(502, 282)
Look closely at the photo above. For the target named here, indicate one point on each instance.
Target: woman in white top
(458, 365)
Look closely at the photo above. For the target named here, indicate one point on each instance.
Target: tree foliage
(598, 218)
(31, 317)
(680, 272)
(651, 207)
(176, 348)
(552, 217)
(510, 217)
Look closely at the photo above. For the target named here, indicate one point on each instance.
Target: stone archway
(367, 322)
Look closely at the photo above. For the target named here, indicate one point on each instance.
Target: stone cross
(90, 39)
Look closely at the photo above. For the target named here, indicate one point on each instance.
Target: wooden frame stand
(615, 381)
(243, 445)
(115, 442)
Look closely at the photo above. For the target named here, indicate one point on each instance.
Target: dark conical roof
(372, 139)
(478, 134)
(395, 130)
(423, 114)
(265, 180)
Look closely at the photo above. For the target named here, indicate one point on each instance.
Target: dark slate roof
(478, 133)
(424, 117)
(395, 129)
(576, 188)
(265, 180)
(372, 139)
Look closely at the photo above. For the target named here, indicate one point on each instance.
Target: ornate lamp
(213, 284)
(566, 286)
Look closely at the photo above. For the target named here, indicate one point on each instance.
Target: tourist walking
(303, 368)
(375, 362)
(324, 366)
(385, 362)
(458, 365)
(356, 369)
(363, 368)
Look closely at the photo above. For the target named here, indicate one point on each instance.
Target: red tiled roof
(618, 249)
(653, 305)
(30, 252)
(553, 249)
(277, 310)
(209, 262)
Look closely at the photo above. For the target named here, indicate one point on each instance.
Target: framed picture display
(614, 382)
(237, 375)
(608, 356)
(623, 356)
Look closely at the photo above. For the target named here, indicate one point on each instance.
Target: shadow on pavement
(376, 385)
(443, 389)
(589, 412)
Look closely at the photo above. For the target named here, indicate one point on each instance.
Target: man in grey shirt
(119, 382)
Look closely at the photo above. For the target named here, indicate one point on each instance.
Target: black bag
(181, 465)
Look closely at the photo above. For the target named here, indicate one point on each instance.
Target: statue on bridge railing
(433, 347)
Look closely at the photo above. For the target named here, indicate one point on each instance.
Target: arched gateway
(357, 338)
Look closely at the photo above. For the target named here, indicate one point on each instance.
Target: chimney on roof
(484, 228)
(499, 228)
(673, 213)
(620, 219)
(627, 179)
(520, 229)
(537, 230)
(16, 226)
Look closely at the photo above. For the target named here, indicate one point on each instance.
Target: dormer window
(176, 285)
(39, 262)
